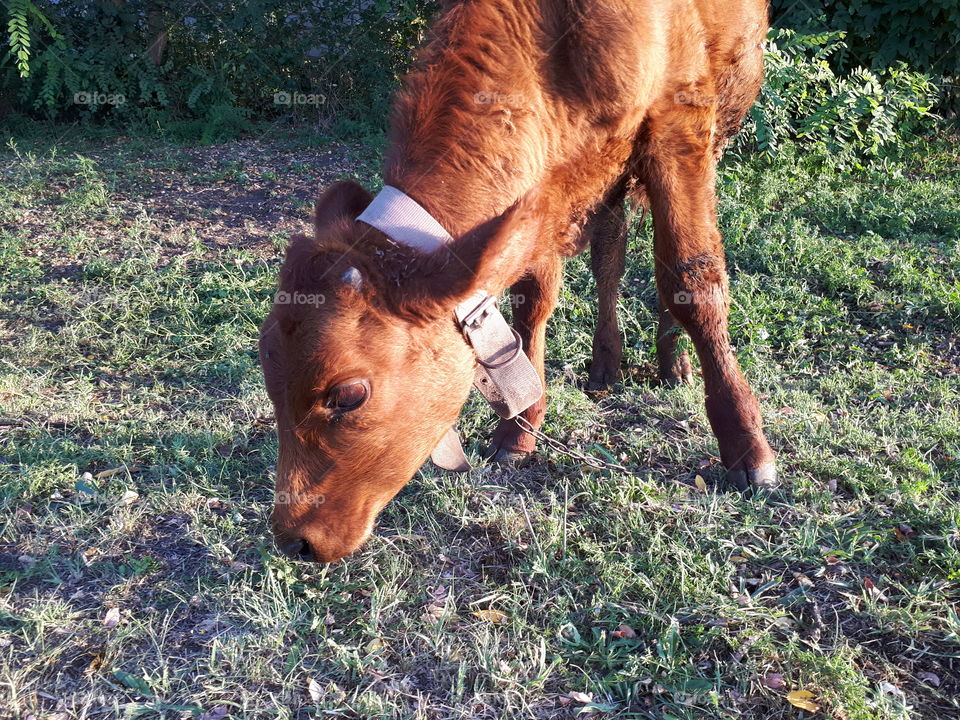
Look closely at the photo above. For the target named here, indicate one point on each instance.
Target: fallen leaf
(700, 483)
(374, 645)
(904, 532)
(803, 580)
(492, 616)
(104, 474)
(580, 697)
(315, 690)
(803, 699)
(218, 506)
(112, 618)
(129, 497)
(436, 607)
(890, 689)
(873, 590)
(774, 681)
(217, 712)
(590, 709)
(738, 559)
(929, 678)
(95, 662)
(785, 623)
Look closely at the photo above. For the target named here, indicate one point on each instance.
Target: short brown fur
(522, 129)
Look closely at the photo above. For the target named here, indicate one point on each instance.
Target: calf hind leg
(674, 363)
(607, 230)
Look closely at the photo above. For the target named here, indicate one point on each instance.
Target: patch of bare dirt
(229, 196)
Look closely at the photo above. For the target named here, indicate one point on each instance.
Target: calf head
(365, 365)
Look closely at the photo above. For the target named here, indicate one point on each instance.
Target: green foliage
(19, 34)
(862, 114)
(203, 71)
(881, 33)
(20, 14)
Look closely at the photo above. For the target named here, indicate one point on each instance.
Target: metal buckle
(505, 375)
(475, 316)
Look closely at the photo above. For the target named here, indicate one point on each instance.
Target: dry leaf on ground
(112, 618)
(803, 699)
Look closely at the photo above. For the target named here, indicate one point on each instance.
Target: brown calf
(522, 130)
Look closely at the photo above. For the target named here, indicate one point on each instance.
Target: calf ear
(489, 258)
(343, 199)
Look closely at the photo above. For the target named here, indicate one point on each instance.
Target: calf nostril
(298, 549)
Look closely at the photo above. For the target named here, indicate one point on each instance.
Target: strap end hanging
(449, 455)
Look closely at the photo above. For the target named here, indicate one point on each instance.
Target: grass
(137, 576)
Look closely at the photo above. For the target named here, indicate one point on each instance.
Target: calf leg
(607, 230)
(692, 280)
(534, 298)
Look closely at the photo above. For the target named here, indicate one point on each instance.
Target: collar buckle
(505, 376)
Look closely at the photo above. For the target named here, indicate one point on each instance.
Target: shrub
(204, 70)
(882, 33)
(860, 114)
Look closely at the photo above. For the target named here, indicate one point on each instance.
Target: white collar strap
(404, 220)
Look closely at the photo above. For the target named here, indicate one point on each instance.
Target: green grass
(128, 341)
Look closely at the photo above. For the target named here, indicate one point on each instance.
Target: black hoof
(602, 379)
(676, 380)
(512, 458)
(764, 478)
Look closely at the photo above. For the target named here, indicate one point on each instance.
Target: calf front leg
(534, 298)
(692, 280)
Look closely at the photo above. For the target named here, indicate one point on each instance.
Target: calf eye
(349, 395)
